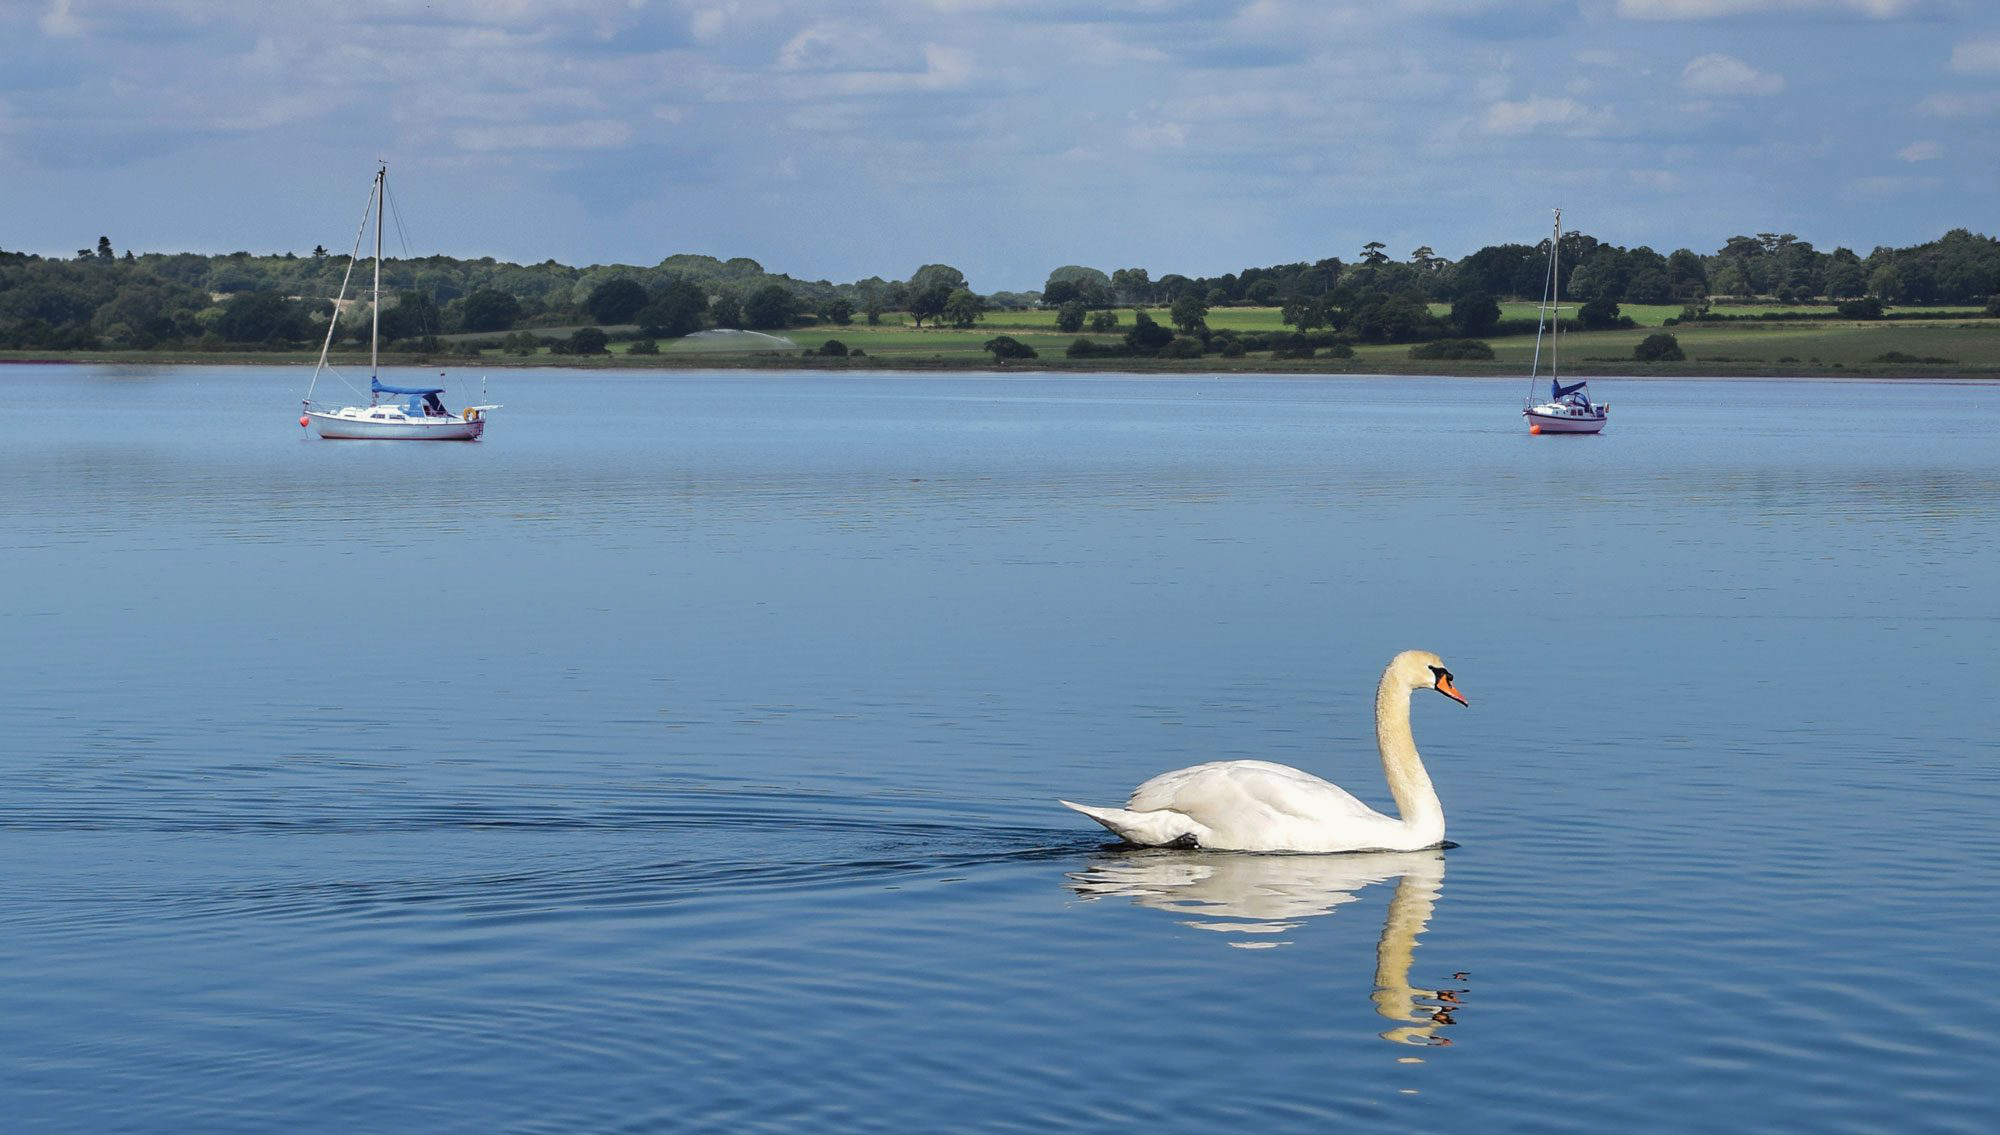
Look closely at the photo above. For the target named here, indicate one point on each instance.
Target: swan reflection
(1264, 897)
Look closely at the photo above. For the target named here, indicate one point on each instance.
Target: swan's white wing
(1260, 806)
(1253, 785)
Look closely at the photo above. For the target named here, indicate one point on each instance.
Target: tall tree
(1131, 286)
(256, 317)
(874, 294)
(1687, 278)
(770, 307)
(727, 311)
(1475, 314)
(1146, 336)
(616, 301)
(1190, 314)
(1087, 284)
(415, 315)
(964, 308)
(1307, 312)
(931, 275)
(676, 310)
(929, 302)
(489, 310)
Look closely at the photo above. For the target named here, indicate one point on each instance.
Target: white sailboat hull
(346, 425)
(1554, 420)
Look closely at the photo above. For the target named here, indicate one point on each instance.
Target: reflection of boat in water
(1268, 895)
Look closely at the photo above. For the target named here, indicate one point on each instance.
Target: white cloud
(1244, 106)
(1978, 57)
(1158, 136)
(1727, 75)
(710, 24)
(1492, 87)
(1528, 116)
(1101, 49)
(812, 48)
(1716, 9)
(1962, 104)
(597, 134)
(1373, 103)
(1299, 21)
(945, 68)
(59, 22)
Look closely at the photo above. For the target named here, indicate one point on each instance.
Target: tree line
(100, 299)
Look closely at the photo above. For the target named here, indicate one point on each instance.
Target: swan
(1261, 806)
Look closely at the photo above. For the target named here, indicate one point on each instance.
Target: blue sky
(1005, 137)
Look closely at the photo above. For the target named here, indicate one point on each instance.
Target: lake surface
(683, 756)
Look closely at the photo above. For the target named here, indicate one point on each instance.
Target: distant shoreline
(1204, 367)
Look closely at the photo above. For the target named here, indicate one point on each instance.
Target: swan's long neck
(1416, 801)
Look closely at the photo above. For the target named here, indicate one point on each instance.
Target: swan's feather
(1249, 785)
(1148, 829)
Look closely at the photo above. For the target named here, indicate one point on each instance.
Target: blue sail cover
(1561, 390)
(375, 387)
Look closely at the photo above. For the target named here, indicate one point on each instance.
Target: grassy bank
(1824, 345)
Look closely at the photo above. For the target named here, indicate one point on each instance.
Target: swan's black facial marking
(1441, 682)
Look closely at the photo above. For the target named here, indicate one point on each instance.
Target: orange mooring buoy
(1531, 429)
(305, 421)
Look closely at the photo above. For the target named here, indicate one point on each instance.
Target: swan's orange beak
(1445, 687)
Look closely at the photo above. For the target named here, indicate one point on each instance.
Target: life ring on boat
(469, 414)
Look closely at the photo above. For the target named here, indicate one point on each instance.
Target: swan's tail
(1147, 829)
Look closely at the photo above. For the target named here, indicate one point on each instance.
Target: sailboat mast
(375, 308)
(1556, 290)
(1543, 315)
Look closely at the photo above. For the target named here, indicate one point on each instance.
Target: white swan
(1260, 806)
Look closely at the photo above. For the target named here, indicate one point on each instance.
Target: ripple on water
(711, 789)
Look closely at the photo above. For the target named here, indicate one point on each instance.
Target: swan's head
(1426, 671)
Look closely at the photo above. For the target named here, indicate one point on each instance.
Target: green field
(1787, 347)
(1760, 348)
(1973, 346)
(1944, 348)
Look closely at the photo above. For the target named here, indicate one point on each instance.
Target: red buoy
(1534, 429)
(304, 421)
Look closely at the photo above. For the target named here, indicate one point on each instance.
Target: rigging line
(333, 321)
(1548, 286)
(396, 215)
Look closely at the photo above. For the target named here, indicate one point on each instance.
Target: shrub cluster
(1452, 349)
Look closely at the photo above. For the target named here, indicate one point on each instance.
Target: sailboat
(1569, 409)
(421, 415)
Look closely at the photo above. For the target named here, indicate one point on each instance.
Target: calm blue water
(682, 757)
